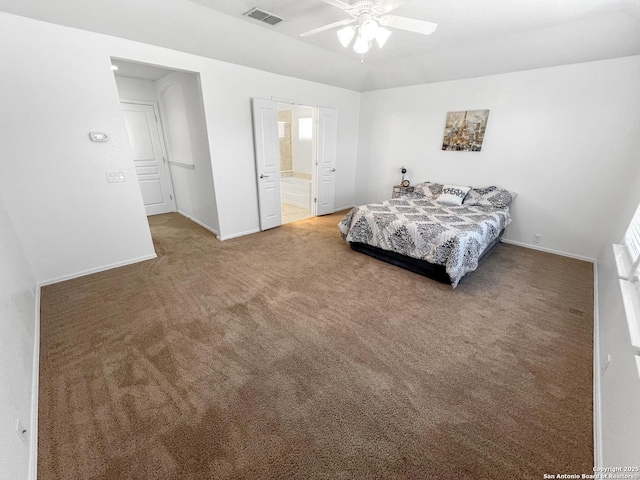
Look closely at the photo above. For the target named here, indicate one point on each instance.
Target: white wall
(17, 334)
(561, 137)
(55, 90)
(193, 186)
(226, 90)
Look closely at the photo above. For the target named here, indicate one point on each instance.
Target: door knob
(262, 175)
(333, 169)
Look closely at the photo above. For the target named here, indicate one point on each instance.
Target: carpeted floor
(284, 354)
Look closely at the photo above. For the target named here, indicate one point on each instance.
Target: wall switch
(114, 177)
(23, 433)
(536, 238)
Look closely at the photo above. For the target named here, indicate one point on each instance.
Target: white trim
(240, 234)
(597, 411)
(549, 250)
(631, 301)
(190, 166)
(623, 262)
(35, 390)
(206, 227)
(294, 101)
(90, 271)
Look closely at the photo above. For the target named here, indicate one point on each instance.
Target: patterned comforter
(418, 227)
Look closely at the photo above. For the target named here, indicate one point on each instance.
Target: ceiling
(461, 22)
(474, 37)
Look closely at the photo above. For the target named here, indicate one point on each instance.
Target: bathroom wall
(297, 155)
(303, 150)
(284, 128)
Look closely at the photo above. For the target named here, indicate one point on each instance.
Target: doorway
(164, 115)
(297, 138)
(267, 155)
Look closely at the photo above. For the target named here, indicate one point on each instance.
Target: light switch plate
(115, 177)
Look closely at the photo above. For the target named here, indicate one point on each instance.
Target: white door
(144, 136)
(267, 150)
(327, 147)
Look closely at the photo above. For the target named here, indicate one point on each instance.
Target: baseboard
(35, 389)
(549, 250)
(597, 412)
(103, 268)
(236, 235)
(203, 225)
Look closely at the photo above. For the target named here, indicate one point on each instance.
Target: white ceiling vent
(263, 16)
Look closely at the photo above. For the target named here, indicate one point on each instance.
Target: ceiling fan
(368, 21)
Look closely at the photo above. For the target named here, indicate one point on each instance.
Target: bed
(441, 231)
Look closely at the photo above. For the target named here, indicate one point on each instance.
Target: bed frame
(421, 267)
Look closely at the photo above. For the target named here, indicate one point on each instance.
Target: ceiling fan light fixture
(361, 45)
(345, 35)
(368, 29)
(382, 35)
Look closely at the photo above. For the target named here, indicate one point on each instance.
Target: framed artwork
(464, 131)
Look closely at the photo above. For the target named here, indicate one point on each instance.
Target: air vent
(263, 16)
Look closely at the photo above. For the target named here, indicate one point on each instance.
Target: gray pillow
(489, 197)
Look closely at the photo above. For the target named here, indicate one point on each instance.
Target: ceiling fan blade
(389, 5)
(338, 3)
(418, 26)
(328, 27)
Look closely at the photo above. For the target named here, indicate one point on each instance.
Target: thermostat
(98, 137)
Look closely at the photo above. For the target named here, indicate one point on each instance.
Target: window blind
(627, 255)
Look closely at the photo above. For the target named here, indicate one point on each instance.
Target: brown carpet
(284, 354)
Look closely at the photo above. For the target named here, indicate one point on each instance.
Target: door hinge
(171, 196)
(315, 200)
(164, 159)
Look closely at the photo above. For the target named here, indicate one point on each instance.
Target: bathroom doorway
(297, 136)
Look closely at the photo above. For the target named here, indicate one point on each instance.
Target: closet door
(141, 121)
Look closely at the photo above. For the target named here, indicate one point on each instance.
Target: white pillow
(453, 194)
